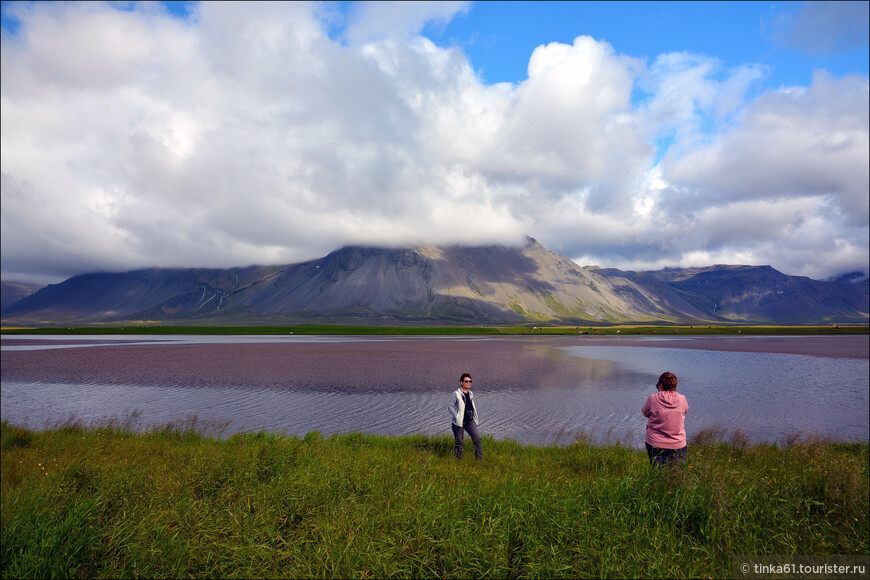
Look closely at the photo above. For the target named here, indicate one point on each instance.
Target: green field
(104, 501)
(446, 330)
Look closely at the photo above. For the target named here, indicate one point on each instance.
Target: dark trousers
(459, 436)
(661, 457)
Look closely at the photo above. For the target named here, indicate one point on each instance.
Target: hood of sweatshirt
(668, 399)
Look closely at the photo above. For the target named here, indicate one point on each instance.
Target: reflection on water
(599, 393)
(767, 395)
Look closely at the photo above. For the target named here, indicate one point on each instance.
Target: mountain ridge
(455, 284)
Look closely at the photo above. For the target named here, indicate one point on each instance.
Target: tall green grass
(104, 501)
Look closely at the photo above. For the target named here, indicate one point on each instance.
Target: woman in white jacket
(464, 415)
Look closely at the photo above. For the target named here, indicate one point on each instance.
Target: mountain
(761, 294)
(444, 285)
(12, 292)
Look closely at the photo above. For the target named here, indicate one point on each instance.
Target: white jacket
(457, 407)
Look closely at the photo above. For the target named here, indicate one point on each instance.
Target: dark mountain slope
(762, 294)
(156, 293)
(12, 292)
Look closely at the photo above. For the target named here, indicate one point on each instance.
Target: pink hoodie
(666, 411)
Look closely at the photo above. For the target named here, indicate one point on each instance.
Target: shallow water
(538, 392)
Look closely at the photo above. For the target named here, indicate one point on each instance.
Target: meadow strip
(417, 330)
(102, 501)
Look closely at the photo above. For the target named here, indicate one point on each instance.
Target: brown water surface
(532, 389)
(390, 364)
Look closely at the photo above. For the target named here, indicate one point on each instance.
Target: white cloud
(691, 91)
(807, 141)
(400, 19)
(247, 135)
(823, 27)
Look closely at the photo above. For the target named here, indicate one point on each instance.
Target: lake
(536, 390)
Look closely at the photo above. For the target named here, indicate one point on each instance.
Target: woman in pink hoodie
(666, 427)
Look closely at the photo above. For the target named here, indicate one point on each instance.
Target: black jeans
(459, 436)
(661, 457)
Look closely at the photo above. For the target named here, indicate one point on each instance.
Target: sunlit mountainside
(444, 284)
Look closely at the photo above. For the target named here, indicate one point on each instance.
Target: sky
(630, 135)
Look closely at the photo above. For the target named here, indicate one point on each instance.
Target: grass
(304, 329)
(327, 329)
(104, 501)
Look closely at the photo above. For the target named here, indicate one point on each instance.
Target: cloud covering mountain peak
(272, 132)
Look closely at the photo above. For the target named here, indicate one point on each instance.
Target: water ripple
(767, 395)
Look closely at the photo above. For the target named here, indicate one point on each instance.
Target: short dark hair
(668, 381)
(463, 375)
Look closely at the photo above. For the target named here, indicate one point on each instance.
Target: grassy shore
(104, 501)
(327, 329)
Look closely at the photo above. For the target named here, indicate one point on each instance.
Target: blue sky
(635, 135)
(498, 37)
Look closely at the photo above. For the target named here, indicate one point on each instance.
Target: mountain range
(443, 285)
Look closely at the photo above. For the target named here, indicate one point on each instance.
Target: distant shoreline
(814, 341)
(459, 330)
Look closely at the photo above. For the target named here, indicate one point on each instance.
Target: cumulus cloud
(249, 134)
(793, 142)
(823, 27)
(372, 21)
(689, 91)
